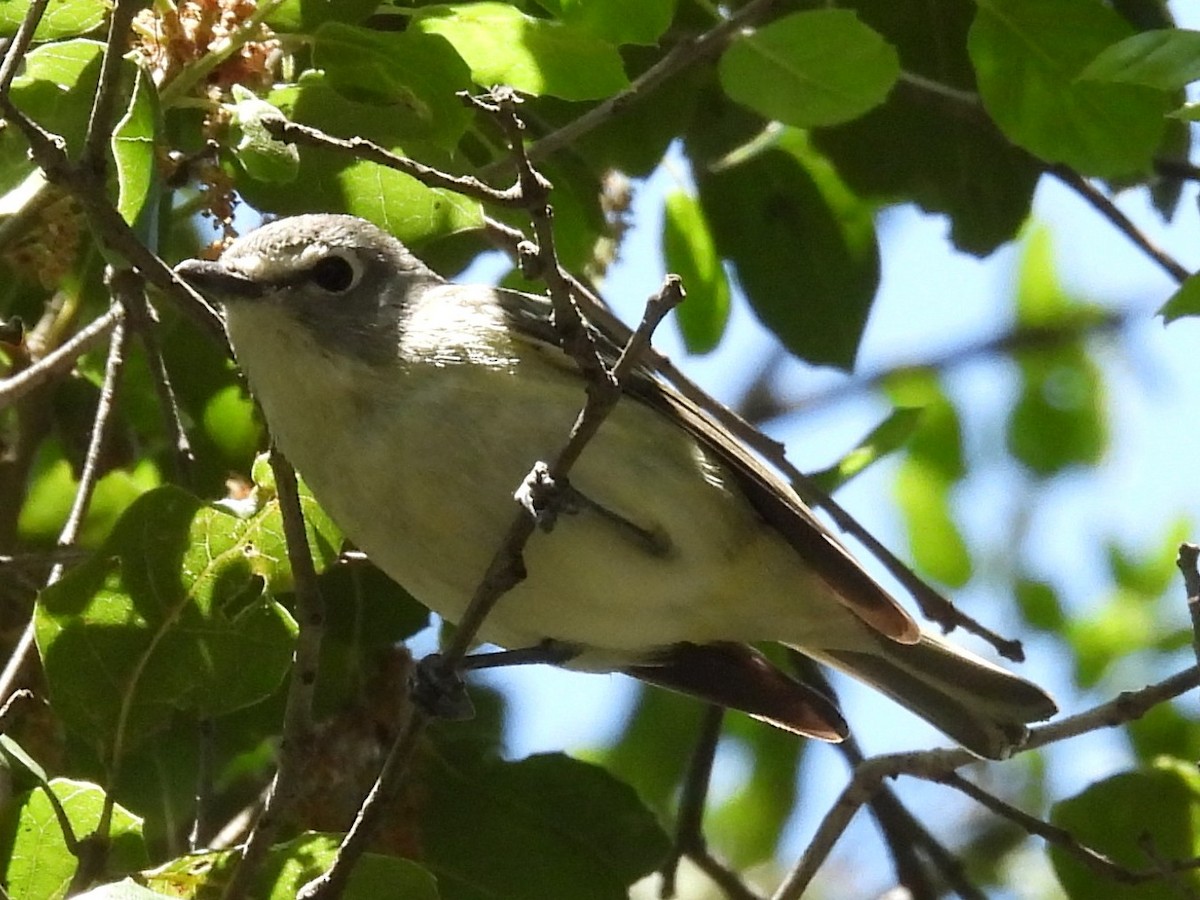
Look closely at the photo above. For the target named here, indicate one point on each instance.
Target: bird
(413, 406)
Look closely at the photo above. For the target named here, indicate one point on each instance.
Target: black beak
(214, 280)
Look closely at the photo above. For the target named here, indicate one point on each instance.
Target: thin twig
(1095, 861)
(205, 751)
(363, 149)
(144, 321)
(689, 823)
(93, 852)
(1023, 339)
(1189, 554)
(724, 877)
(48, 152)
(679, 57)
(1103, 205)
(295, 739)
(932, 765)
(14, 54)
(60, 361)
(541, 260)
(100, 119)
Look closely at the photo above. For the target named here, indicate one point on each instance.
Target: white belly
(419, 470)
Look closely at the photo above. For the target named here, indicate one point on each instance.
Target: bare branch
(99, 127)
(144, 321)
(297, 718)
(14, 54)
(679, 57)
(361, 148)
(1103, 205)
(60, 361)
(1189, 554)
(1062, 839)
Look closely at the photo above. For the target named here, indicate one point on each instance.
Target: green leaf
(937, 545)
(170, 615)
(1166, 59)
(690, 253)
(1154, 572)
(616, 21)
(365, 613)
(1059, 419)
(819, 67)
(546, 826)
(803, 247)
(408, 76)
(936, 157)
(885, 438)
(63, 18)
(39, 864)
(1136, 819)
(1040, 605)
(53, 485)
(537, 56)
(291, 865)
(334, 183)
(16, 757)
(56, 89)
(133, 149)
(747, 826)
(1028, 56)
(1109, 632)
(927, 476)
(652, 752)
(261, 154)
(1184, 302)
(308, 15)
(1164, 729)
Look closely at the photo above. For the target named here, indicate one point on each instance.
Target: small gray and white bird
(413, 407)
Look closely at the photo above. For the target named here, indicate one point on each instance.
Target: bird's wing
(766, 491)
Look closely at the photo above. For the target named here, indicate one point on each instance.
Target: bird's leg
(549, 652)
(441, 691)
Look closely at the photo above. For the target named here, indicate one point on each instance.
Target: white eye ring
(337, 272)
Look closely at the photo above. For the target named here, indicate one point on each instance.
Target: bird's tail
(981, 706)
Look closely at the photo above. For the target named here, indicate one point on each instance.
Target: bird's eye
(336, 273)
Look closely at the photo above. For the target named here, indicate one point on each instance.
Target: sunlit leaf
(538, 56)
(40, 863)
(690, 253)
(262, 155)
(1136, 819)
(170, 615)
(1167, 59)
(334, 182)
(927, 475)
(885, 438)
(1028, 55)
(819, 67)
(133, 149)
(63, 18)
(409, 77)
(617, 21)
(1184, 302)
